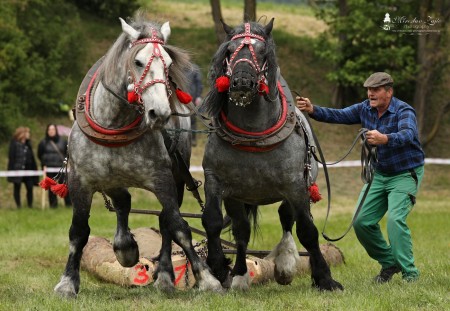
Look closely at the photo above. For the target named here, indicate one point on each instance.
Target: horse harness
(261, 141)
(131, 132)
(247, 41)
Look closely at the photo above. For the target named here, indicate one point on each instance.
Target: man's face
(379, 97)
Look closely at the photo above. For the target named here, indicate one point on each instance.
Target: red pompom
(263, 88)
(314, 193)
(132, 97)
(183, 97)
(46, 183)
(222, 84)
(60, 190)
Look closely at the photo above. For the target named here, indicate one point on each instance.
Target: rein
(368, 156)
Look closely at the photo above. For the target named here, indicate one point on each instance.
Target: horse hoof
(283, 277)
(328, 285)
(164, 283)
(127, 253)
(228, 280)
(65, 288)
(208, 282)
(241, 282)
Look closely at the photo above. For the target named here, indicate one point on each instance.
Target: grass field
(34, 250)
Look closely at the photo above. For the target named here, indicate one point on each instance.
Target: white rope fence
(355, 163)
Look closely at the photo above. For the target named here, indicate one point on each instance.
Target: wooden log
(332, 254)
(262, 270)
(99, 259)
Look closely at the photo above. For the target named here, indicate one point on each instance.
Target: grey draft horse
(140, 63)
(259, 155)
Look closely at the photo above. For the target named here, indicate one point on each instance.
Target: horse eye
(138, 63)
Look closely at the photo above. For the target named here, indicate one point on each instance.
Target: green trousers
(395, 194)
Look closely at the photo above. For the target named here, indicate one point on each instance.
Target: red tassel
(132, 97)
(60, 190)
(263, 88)
(183, 97)
(222, 84)
(314, 193)
(46, 183)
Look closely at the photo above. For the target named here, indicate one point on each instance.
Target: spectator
(21, 157)
(52, 152)
(195, 90)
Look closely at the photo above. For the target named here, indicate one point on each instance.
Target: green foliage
(40, 50)
(364, 47)
(108, 9)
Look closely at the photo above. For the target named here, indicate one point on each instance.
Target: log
(99, 259)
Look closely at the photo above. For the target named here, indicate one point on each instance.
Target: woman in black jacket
(52, 152)
(20, 158)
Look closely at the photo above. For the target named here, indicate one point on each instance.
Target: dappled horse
(258, 155)
(117, 143)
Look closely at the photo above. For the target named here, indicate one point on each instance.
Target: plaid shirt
(398, 122)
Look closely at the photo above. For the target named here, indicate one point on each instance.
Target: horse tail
(253, 213)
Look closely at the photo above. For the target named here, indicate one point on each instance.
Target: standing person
(51, 152)
(398, 173)
(195, 90)
(21, 157)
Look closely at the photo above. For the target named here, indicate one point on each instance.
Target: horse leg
(125, 247)
(241, 232)
(212, 221)
(174, 227)
(309, 237)
(69, 284)
(285, 254)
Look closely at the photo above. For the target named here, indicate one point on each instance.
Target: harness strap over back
(109, 139)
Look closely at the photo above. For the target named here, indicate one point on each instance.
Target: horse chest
(256, 175)
(137, 164)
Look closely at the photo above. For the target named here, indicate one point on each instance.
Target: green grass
(34, 250)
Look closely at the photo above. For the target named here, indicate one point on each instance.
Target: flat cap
(378, 79)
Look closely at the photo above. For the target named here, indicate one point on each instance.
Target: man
(398, 173)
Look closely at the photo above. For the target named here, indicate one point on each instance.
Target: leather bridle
(247, 41)
(138, 87)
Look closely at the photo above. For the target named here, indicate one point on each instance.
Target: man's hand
(376, 138)
(304, 104)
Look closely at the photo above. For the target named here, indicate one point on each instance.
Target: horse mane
(113, 65)
(214, 101)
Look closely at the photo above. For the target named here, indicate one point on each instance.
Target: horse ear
(165, 30)
(269, 26)
(227, 28)
(134, 34)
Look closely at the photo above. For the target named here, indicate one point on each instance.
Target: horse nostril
(152, 114)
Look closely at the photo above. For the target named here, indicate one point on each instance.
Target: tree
(249, 15)
(364, 38)
(433, 62)
(249, 10)
(40, 46)
(217, 18)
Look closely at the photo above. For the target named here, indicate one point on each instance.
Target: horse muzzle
(243, 88)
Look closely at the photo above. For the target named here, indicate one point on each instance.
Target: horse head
(249, 58)
(148, 64)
